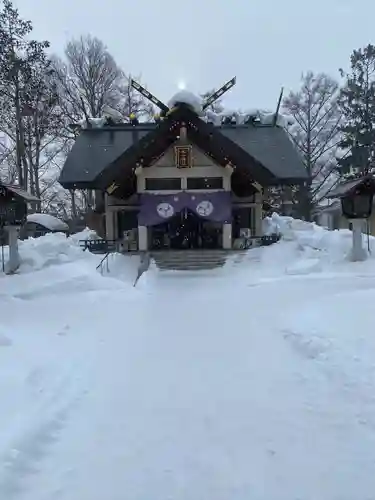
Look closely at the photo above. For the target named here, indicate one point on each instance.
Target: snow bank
(51, 249)
(337, 243)
(86, 234)
(56, 266)
(304, 249)
(61, 263)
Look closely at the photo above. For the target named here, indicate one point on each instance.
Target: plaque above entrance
(183, 156)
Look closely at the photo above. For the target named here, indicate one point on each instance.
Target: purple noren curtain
(157, 208)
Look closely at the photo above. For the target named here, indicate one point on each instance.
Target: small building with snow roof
(39, 224)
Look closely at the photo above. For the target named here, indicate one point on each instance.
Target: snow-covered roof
(48, 221)
(186, 97)
(29, 198)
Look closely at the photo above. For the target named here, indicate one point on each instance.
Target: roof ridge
(151, 126)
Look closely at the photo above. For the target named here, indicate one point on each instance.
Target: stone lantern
(356, 196)
(13, 212)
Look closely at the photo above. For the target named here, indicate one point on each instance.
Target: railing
(105, 246)
(105, 261)
(108, 246)
(256, 241)
(269, 240)
(99, 246)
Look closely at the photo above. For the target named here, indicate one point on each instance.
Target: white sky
(265, 43)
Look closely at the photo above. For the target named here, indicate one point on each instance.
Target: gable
(199, 159)
(165, 168)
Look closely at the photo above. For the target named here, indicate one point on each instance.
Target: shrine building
(184, 181)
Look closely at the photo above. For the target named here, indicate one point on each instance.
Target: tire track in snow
(318, 349)
(327, 360)
(35, 435)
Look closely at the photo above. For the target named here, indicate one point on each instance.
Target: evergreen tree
(357, 102)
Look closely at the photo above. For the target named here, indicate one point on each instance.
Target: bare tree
(131, 102)
(86, 80)
(19, 58)
(316, 134)
(216, 106)
(8, 168)
(89, 78)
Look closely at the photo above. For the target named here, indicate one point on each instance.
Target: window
(163, 184)
(204, 183)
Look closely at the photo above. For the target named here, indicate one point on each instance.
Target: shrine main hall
(186, 180)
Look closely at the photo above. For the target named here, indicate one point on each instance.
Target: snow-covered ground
(256, 381)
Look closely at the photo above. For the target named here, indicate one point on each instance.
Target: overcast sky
(265, 43)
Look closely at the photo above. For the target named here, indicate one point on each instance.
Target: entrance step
(189, 260)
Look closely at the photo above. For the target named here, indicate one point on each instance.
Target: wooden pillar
(110, 226)
(258, 214)
(227, 236)
(143, 238)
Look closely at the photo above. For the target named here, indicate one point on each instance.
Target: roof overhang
(349, 187)
(20, 193)
(204, 135)
(109, 156)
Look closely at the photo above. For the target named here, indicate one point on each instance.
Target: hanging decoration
(155, 208)
(112, 188)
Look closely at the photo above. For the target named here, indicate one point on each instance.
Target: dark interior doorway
(185, 230)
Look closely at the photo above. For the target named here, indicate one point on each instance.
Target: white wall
(203, 166)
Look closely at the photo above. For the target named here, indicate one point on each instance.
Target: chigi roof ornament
(184, 97)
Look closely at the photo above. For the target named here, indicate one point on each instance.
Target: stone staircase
(191, 260)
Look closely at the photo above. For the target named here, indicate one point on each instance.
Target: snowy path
(183, 389)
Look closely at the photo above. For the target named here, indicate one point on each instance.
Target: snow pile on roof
(212, 117)
(186, 97)
(108, 113)
(256, 116)
(48, 221)
(112, 113)
(281, 121)
(92, 122)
